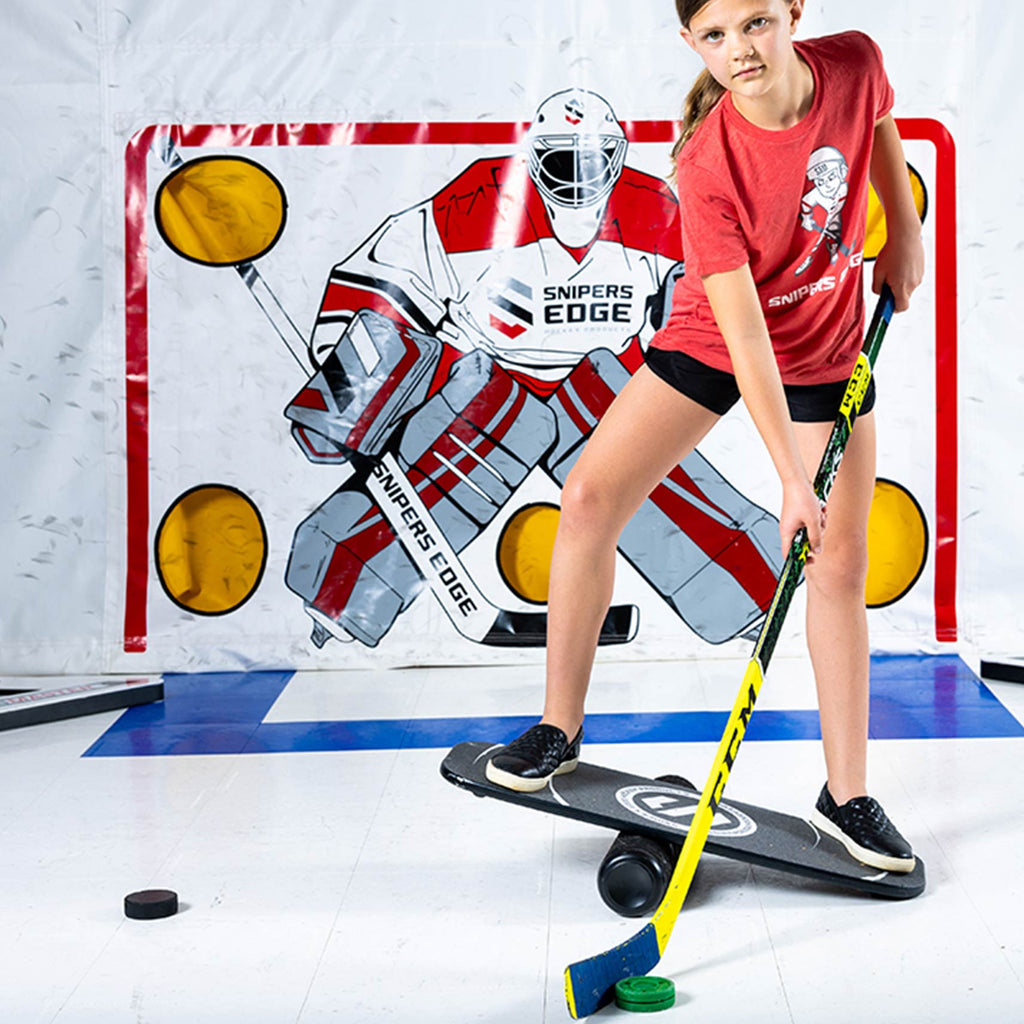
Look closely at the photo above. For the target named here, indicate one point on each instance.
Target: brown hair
(704, 93)
(700, 100)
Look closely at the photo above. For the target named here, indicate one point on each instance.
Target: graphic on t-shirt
(827, 168)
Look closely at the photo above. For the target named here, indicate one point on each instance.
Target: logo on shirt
(825, 283)
(827, 169)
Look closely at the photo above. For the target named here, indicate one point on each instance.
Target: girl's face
(747, 45)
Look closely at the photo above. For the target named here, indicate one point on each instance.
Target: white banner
(202, 200)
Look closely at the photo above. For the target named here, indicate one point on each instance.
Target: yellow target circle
(897, 544)
(874, 237)
(524, 551)
(211, 550)
(220, 210)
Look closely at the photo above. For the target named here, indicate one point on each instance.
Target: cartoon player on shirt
(480, 335)
(827, 168)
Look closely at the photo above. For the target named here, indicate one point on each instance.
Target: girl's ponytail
(700, 100)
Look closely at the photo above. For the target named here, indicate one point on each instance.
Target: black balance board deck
(662, 810)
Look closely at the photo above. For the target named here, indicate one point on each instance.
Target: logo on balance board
(670, 808)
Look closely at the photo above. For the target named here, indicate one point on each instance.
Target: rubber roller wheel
(635, 872)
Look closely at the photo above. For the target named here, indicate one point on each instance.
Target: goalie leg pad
(579, 403)
(473, 443)
(346, 563)
(711, 553)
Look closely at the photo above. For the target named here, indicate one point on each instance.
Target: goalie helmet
(576, 151)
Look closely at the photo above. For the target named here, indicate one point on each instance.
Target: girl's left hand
(801, 509)
(900, 264)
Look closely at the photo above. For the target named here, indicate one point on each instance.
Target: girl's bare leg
(646, 431)
(837, 633)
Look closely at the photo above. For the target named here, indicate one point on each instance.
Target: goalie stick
(470, 612)
(590, 983)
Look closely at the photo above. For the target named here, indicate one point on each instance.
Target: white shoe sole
(897, 865)
(521, 785)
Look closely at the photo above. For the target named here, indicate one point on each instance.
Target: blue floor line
(913, 697)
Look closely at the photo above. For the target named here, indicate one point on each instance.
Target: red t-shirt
(792, 203)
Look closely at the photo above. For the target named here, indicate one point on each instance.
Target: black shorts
(717, 390)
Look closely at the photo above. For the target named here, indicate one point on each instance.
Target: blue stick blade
(590, 984)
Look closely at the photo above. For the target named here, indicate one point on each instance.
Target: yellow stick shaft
(679, 885)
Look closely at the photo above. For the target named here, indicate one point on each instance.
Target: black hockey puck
(150, 904)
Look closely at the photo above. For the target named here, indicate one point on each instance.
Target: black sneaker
(863, 828)
(528, 762)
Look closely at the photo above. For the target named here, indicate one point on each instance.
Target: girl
(779, 141)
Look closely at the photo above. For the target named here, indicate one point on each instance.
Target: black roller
(635, 873)
(678, 780)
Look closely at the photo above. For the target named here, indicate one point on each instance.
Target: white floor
(358, 886)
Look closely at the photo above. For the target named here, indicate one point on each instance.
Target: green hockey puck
(645, 994)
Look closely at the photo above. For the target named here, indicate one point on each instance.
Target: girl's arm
(737, 309)
(901, 261)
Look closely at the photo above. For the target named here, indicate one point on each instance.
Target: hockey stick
(472, 614)
(810, 256)
(589, 984)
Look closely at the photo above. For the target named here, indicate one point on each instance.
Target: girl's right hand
(801, 508)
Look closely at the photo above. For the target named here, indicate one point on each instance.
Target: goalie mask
(576, 151)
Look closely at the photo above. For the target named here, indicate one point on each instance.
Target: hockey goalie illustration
(478, 337)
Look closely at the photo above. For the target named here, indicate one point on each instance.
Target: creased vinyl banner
(403, 453)
(307, 313)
